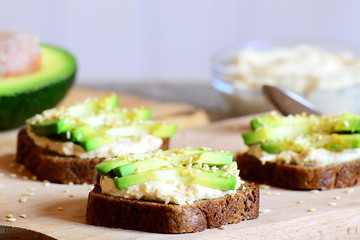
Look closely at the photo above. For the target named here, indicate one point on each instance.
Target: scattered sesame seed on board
(23, 216)
(265, 187)
(222, 227)
(11, 219)
(332, 204)
(71, 195)
(28, 194)
(60, 208)
(350, 190)
(337, 197)
(23, 199)
(9, 215)
(314, 191)
(300, 201)
(267, 210)
(311, 210)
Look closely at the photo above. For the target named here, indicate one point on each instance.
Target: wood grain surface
(59, 210)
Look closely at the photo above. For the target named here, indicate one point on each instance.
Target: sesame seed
(70, 183)
(268, 193)
(300, 201)
(267, 210)
(337, 197)
(28, 194)
(46, 184)
(23, 199)
(265, 187)
(332, 204)
(9, 216)
(32, 189)
(60, 208)
(222, 227)
(11, 219)
(350, 190)
(314, 191)
(66, 191)
(23, 216)
(311, 210)
(71, 195)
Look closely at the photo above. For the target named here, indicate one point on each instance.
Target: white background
(170, 40)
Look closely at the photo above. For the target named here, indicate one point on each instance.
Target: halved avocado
(23, 96)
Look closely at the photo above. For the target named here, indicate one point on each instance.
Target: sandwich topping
(179, 176)
(317, 141)
(97, 128)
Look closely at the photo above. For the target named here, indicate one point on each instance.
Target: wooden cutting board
(59, 210)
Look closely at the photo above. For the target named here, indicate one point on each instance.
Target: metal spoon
(288, 102)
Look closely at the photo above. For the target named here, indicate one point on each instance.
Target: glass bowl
(240, 71)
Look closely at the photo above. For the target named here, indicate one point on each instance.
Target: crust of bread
(47, 165)
(118, 212)
(298, 177)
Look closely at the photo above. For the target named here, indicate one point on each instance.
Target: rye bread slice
(118, 212)
(298, 177)
(48, 165)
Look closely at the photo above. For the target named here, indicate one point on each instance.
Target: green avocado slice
(216, 180)
(333, 142)
(22, 97)
(209, 158)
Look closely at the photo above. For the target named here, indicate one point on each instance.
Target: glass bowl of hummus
(325, 72)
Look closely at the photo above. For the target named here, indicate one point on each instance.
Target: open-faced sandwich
(64, 144)
(303, 152)
(175, 191)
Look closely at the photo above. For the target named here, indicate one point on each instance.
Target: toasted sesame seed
(23, 216)
(267, 210)
(9, 215)
(300, 201)
(23, 199)
(60, 208)
(66, 191)
(28, 194)
(332, 204)
(70, 183)
(32, 189)
(314, 191)
(46, 184)
(11, 219)
(265, 187)
(222, 227)
(71, 195)
(337, 197)
(268, 193)
(311, 210)
(350, 190)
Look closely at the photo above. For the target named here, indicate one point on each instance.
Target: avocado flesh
(266, 134)
(22, 97)
(57, 126)
(333, 142)
(209, 158)
(218, 180)
(341, 123)
(108, 165)
(160, 130)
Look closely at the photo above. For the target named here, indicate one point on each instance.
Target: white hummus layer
(123, 145)
(315, 157)
(170, 191)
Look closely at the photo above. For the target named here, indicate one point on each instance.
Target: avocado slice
(334, 142)
(216, 180)
(21, 97)
(266, 134)
(210, 158)
(64, 119)
(160, 130)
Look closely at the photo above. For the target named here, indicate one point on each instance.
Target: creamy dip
(170, 191)
(301, 68)
(314, 157)
(122, 145)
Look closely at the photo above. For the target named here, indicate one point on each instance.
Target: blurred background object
(161, 43)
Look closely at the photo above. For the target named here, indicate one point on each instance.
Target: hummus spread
(313, 157)
(123, 145)
(170, 191)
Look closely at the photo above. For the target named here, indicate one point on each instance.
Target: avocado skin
(15, 109)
